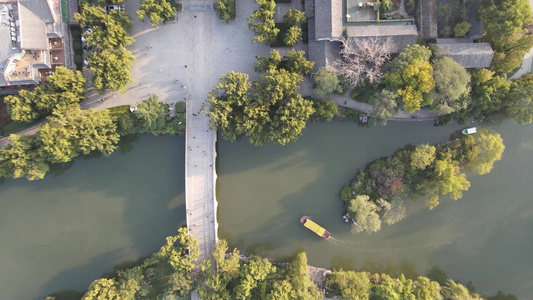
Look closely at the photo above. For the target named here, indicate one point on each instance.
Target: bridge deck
(200, 157)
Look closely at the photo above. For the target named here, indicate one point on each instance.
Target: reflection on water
(483, 237)
(64, 231)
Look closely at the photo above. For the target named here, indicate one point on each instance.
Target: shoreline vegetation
(377, 193)
(69, 131)
(171, 273)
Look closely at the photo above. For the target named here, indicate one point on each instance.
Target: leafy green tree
(326, 83)
(111, 69)
(293, 17)
(365, 214)
(269, 110)
(461, 29)
(282, 290)
(505, 25)
(490, 92)
(71, 131)
(102, 289)
(297, 63)
(353, 285)
(216, 272)
(488, 148)
(325, 111)
(152, 114)
(422, 156)
(62, 88)
(302, 286)
(385, 6)
(452, 83)
(22, 158)
(384, 106)
(412, 75)
(519, 100)
(265, 29)
(447, 179)
(225, 9)
(427, 289)
(157, 11)
(108, 30)
(131, 283)
(263, 64)
(289, 112)
(255, 271)
(454, 290)
(503, 19)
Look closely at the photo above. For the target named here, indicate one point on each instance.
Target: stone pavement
(200, 157)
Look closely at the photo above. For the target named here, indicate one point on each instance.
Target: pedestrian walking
(345, 102)
(185, 66)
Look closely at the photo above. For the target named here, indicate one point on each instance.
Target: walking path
(200, 157)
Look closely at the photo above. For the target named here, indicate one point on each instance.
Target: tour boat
(470, 130)
(314, 227)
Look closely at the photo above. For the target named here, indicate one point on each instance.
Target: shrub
(461, 29)
(180, 107)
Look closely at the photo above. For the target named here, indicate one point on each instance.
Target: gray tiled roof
(427, 18)
(39, 8)
(309, 8)
(401, 35)
(323, 53)
(468, 55)
(328, 19)
(32, 30)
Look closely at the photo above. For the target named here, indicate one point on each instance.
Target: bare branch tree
(362, 59)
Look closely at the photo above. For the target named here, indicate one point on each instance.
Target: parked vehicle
(113, 7)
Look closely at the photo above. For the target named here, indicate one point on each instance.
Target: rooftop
(400, 35)
(466, 53)
(328, 19)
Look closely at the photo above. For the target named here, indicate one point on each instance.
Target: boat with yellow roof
(314, 227)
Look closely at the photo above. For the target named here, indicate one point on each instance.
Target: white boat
(470, 130)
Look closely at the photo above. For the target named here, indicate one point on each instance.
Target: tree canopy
(111, 69)
(505, 25)
(109, 60)
(71, 131)
(376, 194)
(157, 11)
(225, 9)
(326, 83)
(108, 30)
(267, 110)
(265, 29)
(60, 89)
(23, 158)
(412, 75)
(452, 83)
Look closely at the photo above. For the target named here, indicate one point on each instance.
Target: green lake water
(65, 231)
(485, 237)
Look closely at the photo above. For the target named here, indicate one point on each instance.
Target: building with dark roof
(400, 35)
(31, 41)
(325, 31)
(427, 19)
(468, 54)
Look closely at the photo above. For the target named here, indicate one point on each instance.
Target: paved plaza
(181, 61)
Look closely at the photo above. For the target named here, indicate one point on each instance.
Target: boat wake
(340, 242)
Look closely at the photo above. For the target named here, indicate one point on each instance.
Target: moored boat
(470, 130)
(314, 227)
